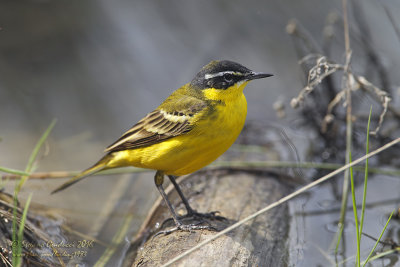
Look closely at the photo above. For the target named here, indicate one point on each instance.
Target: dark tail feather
(100, 165)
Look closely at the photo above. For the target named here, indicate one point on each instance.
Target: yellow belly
(187, 153)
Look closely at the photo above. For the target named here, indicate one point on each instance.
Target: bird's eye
(228, 77)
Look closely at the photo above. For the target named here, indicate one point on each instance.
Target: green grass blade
(353, 197)
(379, 239)
(380, 255)
(35, 152)
(20, 236)
(14, 233)
(28, 170)
(12, 171)
(365, 177)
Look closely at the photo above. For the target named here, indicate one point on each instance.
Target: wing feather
(160, 125)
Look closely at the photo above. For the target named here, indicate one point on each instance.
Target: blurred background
(100, 66)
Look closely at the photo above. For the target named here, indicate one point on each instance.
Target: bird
(193, 126)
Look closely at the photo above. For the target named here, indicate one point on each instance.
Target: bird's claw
(197, 215)
(187, 228)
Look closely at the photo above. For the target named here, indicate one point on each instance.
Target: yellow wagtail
(190, 129)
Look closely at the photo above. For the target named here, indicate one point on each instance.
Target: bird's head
(224, 78)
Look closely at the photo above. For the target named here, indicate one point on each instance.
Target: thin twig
(66, 174)
(347, 84)
(320, 71)
(216, 164)
(383, 97)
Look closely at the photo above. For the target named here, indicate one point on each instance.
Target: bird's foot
(187, 228)
(196, 216)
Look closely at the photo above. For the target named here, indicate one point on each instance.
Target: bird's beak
(257, 75)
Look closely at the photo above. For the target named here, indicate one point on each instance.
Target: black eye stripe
(223, 82)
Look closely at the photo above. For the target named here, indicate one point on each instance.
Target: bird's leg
(190, 211)
(159, 179)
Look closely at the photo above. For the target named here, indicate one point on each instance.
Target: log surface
(236, 195)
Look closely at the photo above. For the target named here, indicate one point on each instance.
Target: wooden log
(235, 194)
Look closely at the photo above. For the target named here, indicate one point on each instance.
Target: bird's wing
(172, 118)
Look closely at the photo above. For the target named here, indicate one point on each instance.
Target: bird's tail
(100, 165)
